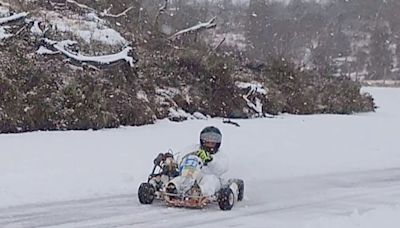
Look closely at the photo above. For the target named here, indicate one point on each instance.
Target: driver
(214, 160)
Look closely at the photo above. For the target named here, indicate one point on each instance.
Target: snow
(88, 27)
(44, 51)
(4, 34)
(255, 87)
(142, 96)
(35, 29)
(371, 219)
(277, 153)
(178, 113)
(4, 11)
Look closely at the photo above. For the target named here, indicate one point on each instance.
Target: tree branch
(105, 13)
(160, 11)
(82, 6)
(206, 25)
(220, 43)
(228, 121)
(13, 17)
(99, 60)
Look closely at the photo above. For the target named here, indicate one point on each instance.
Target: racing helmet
(210, 139)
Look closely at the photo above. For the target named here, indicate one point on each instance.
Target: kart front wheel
(240, 184)
(240, 187)
(146, 193)
(226, 199)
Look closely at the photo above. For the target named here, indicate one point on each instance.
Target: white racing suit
(209, 179)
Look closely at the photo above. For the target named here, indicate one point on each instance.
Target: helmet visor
(211, 137)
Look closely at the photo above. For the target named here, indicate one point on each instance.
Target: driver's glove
(205, 156)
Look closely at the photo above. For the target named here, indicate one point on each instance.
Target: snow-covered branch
(206, 25)
(3, 33)
(101, 60)
(253, 88)
(13, 17)
(82, 6)
(105, 13)
(164, 7)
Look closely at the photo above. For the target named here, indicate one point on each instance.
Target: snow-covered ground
(299, 171)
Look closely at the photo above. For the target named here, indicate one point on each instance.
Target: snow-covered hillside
(307, 171)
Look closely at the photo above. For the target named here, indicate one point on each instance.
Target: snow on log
(13, 17)
(3, 20)
(102, 60)
(253, 88)
(206, 25)
(45, 51)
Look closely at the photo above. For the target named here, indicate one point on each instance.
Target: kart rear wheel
(226, 199)
(146, 193)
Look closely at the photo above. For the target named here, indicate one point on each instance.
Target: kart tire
(146, 193)
(240, 184)
(226, 199)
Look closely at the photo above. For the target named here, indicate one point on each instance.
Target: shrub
(296, 91)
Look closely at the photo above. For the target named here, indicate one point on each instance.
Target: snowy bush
(51, 91)
(41, 93)
(299, 91)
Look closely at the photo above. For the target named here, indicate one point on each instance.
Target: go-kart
(162, 184)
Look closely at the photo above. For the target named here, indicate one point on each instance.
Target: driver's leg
(209, 185)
